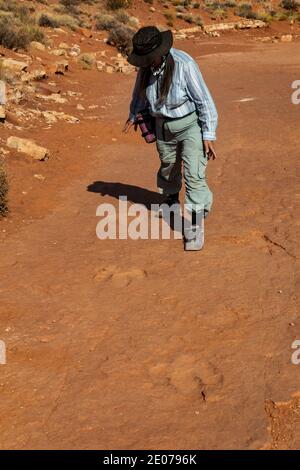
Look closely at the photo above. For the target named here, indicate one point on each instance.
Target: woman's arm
(199, 93)
(138, 103)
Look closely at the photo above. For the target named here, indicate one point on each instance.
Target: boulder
(2, 92)
(62, 66)
(37, 45)
(38, 73)
(28, 147)
(15, 66)
(2, 112)
(242, 24)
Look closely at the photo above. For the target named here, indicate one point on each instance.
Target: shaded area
(134, 194)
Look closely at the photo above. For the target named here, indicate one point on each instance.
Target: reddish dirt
(137, 344)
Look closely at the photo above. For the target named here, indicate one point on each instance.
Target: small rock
(286, 38)
(109, 69)
(100, 65)
(75, 51)
(28, 146)
(80, 107)
(37, 45)
(58, 52)
(61, 67)
(85, 32)
(56, 97)
(152, 9)
(39, 177)
(63, 45)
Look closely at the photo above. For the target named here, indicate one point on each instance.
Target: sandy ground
(137, 344)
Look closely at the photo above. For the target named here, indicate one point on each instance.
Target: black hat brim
(147, 59)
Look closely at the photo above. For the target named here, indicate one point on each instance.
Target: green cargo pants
(180, 140)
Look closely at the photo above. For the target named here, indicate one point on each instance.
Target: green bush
(291, 5)
(14, 36)
(48, 21)
(3, 190)
(245, 11)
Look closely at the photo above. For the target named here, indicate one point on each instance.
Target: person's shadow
(134, 194)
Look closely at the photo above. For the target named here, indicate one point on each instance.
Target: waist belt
(166, 119)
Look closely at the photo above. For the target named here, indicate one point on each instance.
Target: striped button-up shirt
(188, 92)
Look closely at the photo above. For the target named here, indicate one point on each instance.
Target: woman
(169, 84)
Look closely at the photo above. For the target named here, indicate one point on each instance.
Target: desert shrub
(121, 38)
(180, 8)
(198, 20)
(117, 4)
(291, 5)
(266, 17)
(70, 5)
(122, 16)
(245, 11)
(48, 21)
(219, 14)
(196, 5)
(51, 20)
(149, 1)
(134, 22)
(105, 22)
(169, 17)
(280, 16)
(15, 35)
(191, 19)
(229, 4)
(87, 60)
(3, 190)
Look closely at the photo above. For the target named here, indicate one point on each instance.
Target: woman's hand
(209, 150)
(128, 125)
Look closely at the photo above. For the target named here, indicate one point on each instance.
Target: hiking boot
(193, 238)
(171, 200)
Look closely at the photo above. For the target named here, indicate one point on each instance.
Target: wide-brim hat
(149, 43)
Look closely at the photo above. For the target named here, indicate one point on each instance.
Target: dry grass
(118, 4)
(18, 26)
(3, 190)
(52, 20)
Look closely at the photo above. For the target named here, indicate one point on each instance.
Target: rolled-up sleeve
(138, 103)
(200, 95)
